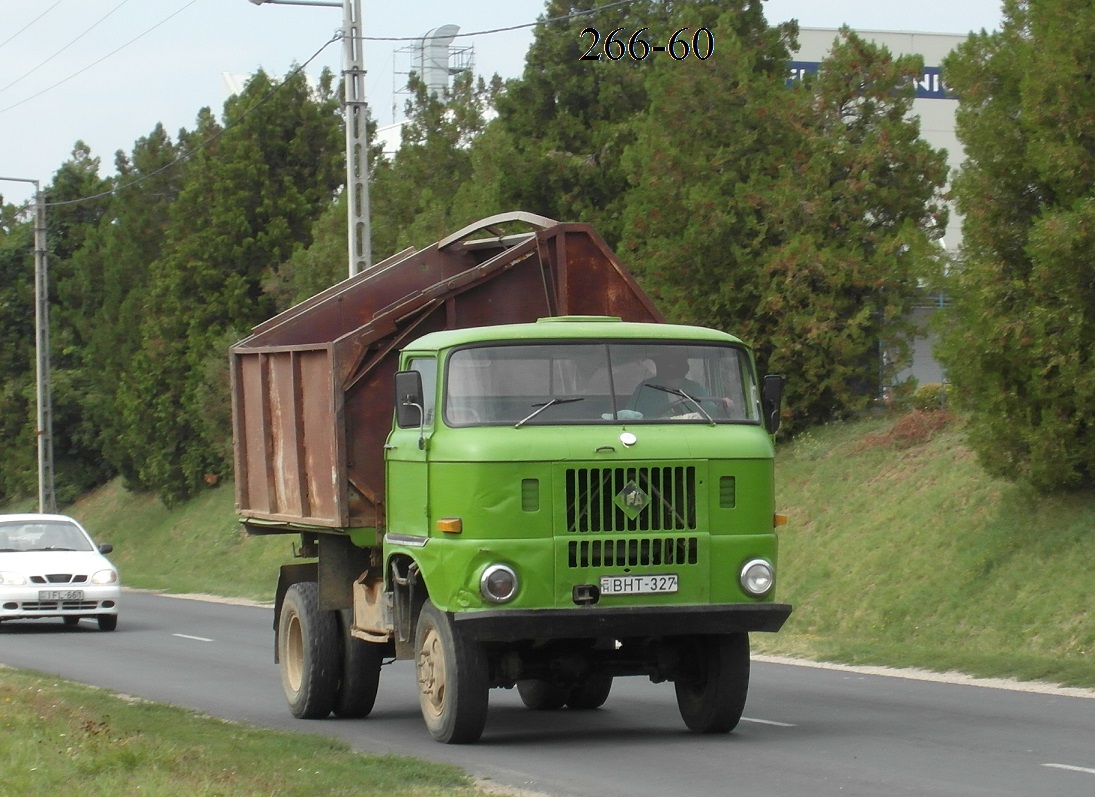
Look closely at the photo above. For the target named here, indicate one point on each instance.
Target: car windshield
(42, 535)
(567, 383)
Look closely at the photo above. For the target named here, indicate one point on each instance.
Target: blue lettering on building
(929, 86)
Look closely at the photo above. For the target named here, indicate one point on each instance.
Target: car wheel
(70, 621)
(308, 652)
(107, 622)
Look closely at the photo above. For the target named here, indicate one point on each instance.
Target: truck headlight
(757, 577)
(498, 583)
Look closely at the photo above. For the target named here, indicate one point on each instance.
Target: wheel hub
(294, 654)
(431, 674)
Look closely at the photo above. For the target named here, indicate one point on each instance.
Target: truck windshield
(566, 383)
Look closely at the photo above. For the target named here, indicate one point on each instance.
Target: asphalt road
(808, 730)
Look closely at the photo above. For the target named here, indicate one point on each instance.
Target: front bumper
(34, 601)
(620, 622)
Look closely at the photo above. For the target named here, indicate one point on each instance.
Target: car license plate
(60, 594)
(638, 585)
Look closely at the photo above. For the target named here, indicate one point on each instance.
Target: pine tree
(105, 297)
(17, 357)
(251, 197)
(859, 206)
(1019, 348)
(796, 217)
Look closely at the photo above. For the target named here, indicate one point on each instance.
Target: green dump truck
(502, 464)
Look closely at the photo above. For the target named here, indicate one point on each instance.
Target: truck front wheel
(712, 687)
(309, 652)
(453, 685)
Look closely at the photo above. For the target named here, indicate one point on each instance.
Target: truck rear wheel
(541, 695)
(712, 688)
(309, 652)
(453, 686)
(360, 680)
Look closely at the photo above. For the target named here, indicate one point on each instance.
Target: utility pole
(357, 141)
(358, 232)
(47, 496)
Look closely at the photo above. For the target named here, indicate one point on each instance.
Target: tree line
(803, 216)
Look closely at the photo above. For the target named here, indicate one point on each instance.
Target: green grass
(58, 737)
(905, 553)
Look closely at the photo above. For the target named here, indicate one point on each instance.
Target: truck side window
(427, 366)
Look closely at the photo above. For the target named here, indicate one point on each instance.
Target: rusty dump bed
(312, 394)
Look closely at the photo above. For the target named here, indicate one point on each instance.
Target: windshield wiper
(541, 407)
(676, 391)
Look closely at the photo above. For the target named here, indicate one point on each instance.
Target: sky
(107, 71)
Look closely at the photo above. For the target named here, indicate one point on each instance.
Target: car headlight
(105, 577)
(498, 583)
(12, 579)
(758, 577)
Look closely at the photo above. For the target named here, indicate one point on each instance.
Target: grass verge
(63, 738)
(901, 551)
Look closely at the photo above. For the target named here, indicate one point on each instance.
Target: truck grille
(648, 498)
(633, 552)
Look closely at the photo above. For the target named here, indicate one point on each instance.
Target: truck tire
(541, 695)
(711, 692)
(453, 685)
(590, 693)
(309, 652)
(360, 680)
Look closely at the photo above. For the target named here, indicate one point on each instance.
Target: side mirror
(771, 401)
(105, 548)
(408, 399)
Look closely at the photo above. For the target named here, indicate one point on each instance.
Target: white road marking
(943, 678)
(1070, 768)
(195, 638)
(768, 722)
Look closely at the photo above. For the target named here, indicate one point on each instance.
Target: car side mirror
(105, 548)
(771, 401)
(408, 400)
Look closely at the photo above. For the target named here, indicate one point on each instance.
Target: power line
(562, 18)
(269, 94)
(85, 33)
(191, 152)
(100, 60)
(12, 36)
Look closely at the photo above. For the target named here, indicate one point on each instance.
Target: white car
(50, 567)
